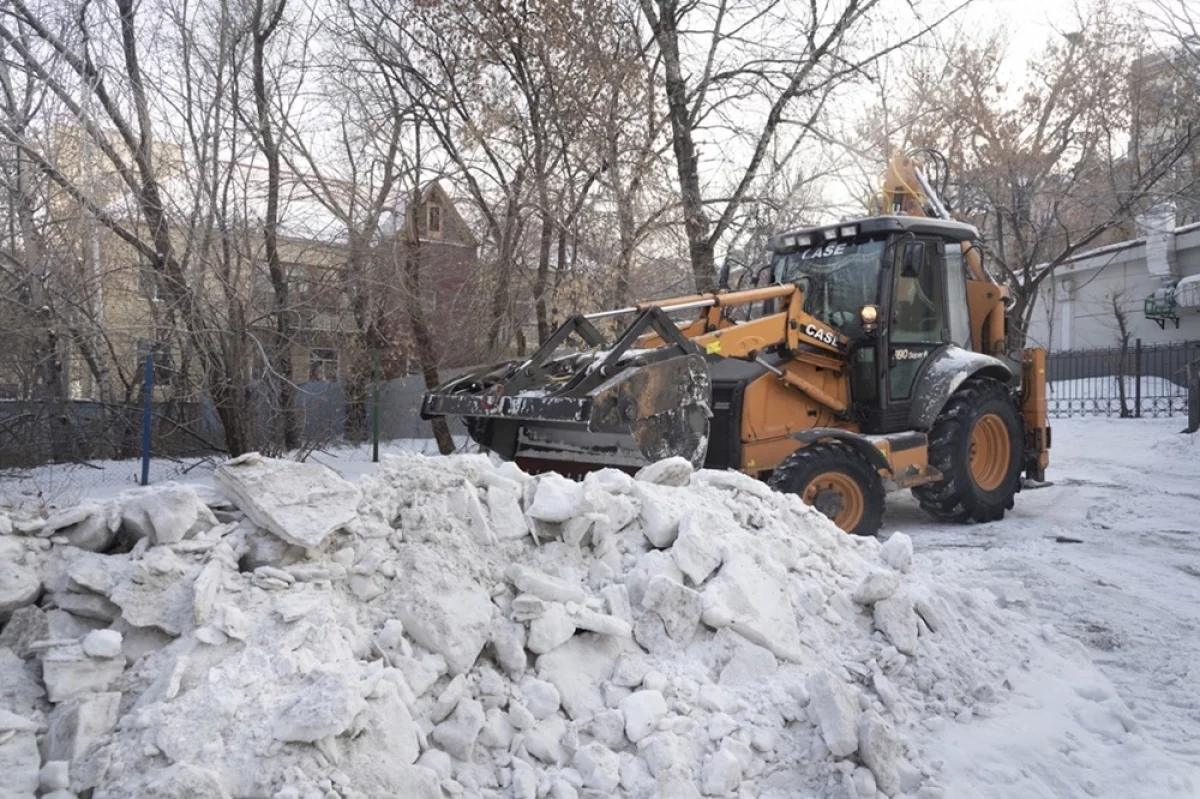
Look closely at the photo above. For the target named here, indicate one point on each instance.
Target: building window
(322, 365)
(434, 219)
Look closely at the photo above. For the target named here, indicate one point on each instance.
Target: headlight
(869, 314)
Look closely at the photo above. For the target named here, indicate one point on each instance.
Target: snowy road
(1128, 491)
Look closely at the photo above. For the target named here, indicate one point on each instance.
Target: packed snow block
(602, 623)
(544, 740)
(678, 607)
(20, 587)
(385, 733)
(324, 707)
(896, 619)
(750, 664)
(301, 503)
(599, 767)
(508, 642)
(540, 584)
(897, 552)
(577, 669)
(68, 672)
(556, 499)
(19, 758)
(90, 526)
(175, 780)
(642, 710)
(504, 512)
(661, 511)
(457, 735)
(697, 551)
(90, 571)
(550, 630)
(541, 697)
(55, 776)
(650, 565)
(157, 592)
(102, 644)
(674, 471)
(751, 597)
(86, 606)
(878, 748)
(836, 711)
(164, 514)
(721, 774)
(876, 585)
(453, 621)
(75, 725)
(24, 627)
(21, 690)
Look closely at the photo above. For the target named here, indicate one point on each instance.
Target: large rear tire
(838, 481)
(977, 443)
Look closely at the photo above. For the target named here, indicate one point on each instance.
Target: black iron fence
(1131, 382)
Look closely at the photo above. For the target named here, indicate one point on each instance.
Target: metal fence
(1131, 382)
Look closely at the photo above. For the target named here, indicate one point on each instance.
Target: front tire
(977, 443)
(836, 480)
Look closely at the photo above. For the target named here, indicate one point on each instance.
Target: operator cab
(896, 287)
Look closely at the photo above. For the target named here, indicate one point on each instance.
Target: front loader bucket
(573, 411)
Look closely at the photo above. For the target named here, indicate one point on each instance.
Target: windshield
(837, 279)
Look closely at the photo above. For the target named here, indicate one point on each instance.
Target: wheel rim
(990, 452)
(837, 496)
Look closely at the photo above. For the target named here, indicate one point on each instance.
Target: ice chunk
(599, 767)
(674, 471)
(102, 644)
(301, 503)
(20, 586)
(90, 526)
(553, 589)
(577, 669)
(164, 514)
(454, 622)
(541, 697)
(77, 724)
(875, 586)
(556, 499)
(642, 710)
(550, 630)
(27, 625)
(458, 734)
(19, 758)
(677, 606)
(752, 598)
(721, 774)
(696, 551)
(326, 706)
(505, 514)
(897, 552)
(878, 748)
(836, 712)
(896, 619)
(68, 672)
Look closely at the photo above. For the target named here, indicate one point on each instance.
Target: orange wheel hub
(837, 496)
(991, 452)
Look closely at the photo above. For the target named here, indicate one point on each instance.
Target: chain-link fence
(1132, 382)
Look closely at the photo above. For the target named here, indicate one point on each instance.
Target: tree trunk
(541, 285)
(695, 219)
(422, 338)
(284, 334)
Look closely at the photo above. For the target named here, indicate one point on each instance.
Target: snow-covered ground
(1106, 561)
(1110, 555)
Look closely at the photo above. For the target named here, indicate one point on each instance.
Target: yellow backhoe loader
(877, 359)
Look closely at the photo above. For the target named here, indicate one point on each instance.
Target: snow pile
(453, 627)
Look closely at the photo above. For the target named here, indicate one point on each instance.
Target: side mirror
(914, 259)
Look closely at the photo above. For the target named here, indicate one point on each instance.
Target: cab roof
(870, 226)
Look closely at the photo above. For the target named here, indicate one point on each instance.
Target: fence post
(375, 413)
(147, 416)
(1137, 376)
(1193, 373)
